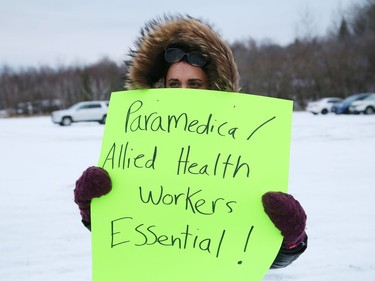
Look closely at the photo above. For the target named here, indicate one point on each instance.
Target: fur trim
(147, 68)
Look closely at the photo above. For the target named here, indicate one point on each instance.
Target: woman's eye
(174, 85)
(194, 85)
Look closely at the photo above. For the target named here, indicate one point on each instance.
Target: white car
(366, 106)
(85, 111)
(323, 105)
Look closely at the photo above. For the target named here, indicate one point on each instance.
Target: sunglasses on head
(173, 55)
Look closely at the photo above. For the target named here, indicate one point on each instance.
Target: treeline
(339, 64)
(41, 90)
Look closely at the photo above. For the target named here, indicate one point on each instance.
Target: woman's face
(183, 75)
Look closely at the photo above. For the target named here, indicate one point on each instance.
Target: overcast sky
(63, 32)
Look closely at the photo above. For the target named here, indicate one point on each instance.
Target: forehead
(183, 70)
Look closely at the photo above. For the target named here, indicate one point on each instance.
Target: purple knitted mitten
(287, 215)
(94, 182)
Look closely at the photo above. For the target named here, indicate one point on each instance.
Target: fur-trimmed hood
(147, 68)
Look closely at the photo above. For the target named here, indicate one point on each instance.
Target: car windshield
(370, 97)
(74, 106)
(352, 98)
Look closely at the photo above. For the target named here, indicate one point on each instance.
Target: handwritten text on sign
(188, 169)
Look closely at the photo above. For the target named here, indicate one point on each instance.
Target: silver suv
(82, 112)
(366, 106)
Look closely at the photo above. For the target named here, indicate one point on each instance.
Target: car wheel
(103, 120)
(324, 111)
(369, 110)
(66, 121)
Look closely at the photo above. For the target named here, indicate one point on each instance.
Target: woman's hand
(287, 215)
(93, 183)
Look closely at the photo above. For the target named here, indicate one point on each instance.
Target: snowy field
(41, 237)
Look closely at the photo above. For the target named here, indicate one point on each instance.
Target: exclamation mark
(247, 241)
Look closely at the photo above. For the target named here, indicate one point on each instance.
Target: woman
(184, 52)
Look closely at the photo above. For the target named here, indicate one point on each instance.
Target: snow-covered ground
(332, 174)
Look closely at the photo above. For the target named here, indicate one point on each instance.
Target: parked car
(366, 106)
(323, 105)
(85, 111)
(343, 107)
